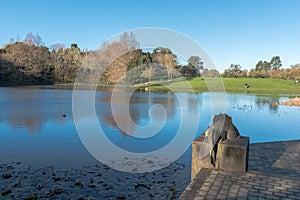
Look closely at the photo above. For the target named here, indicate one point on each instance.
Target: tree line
(31, 62)
(264, 69)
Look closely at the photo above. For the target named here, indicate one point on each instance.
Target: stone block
(232, 155)
(199, 163)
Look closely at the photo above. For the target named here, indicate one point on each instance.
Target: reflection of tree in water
(104, 112)
(32, 125)
(141, 102)
(32, 108)
(139, 105)
(272, 102)
(258, 103)
(192, 104)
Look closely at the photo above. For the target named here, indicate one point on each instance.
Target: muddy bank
(20, 181)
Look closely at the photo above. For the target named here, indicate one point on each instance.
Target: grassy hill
(230, 84)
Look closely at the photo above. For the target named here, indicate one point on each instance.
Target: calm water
(33, 129)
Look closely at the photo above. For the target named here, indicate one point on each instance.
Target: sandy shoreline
(21, 181)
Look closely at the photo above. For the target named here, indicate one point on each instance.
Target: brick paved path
(274, 173)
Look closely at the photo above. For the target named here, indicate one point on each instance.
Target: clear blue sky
(231, 31)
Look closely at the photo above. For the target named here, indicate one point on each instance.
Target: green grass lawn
(230, 84)
(261, 84)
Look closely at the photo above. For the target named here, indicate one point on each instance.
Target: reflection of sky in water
(262, 118)
(140, 104)
(32, 126)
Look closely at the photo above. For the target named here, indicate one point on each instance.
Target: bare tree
(128, 41)
(11, 40)
(148, 73)
(168, 59)
(38, 40)
(29, 39)
(56, 47)
(32, 39)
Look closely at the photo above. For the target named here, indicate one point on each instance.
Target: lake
(37, 129)
(34, 130)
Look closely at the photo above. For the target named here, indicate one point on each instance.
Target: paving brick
(289, 186)
(212, 193)
(272, 197)
(199, 198)
(233, 191)
(226, 187)
(280, 195)
(275, 178)
(235, 186)
(208, 184)
(202, 193)
(294, 197)
(273, 190)
(242, 195)
(266, 192)
(265, 180)
(217, 184)
(252, 183)
(210, 197)
(287, 192)
(252, 198)
(223, 191)
(280, 187)
(273, 183)
(293, 190)
(227, 182)
(252, 190)
(220, 196)
(259, 187)
(205, 188)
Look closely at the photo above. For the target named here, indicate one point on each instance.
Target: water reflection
(272, 102)
(254, 103)
(32, 126)
(139, 106)
(32, 108)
